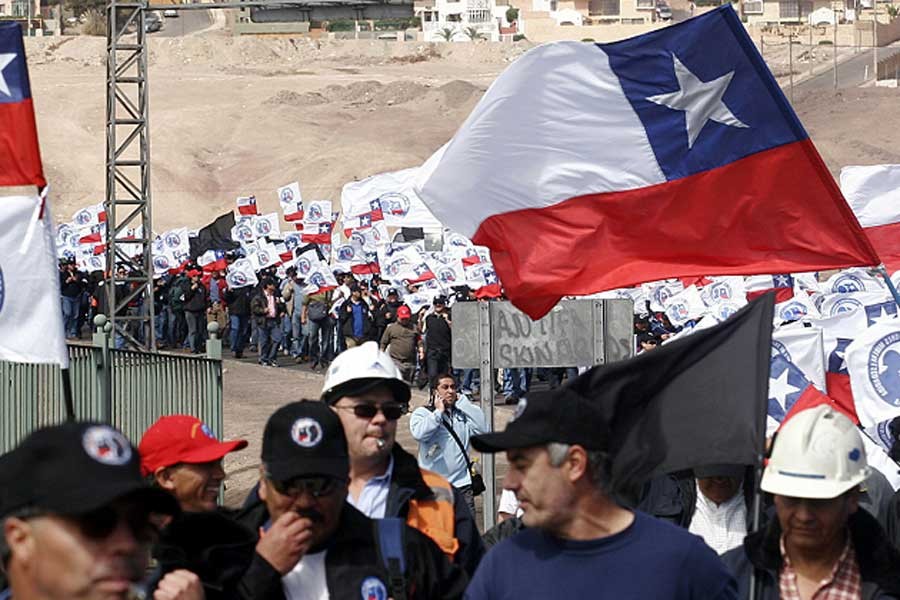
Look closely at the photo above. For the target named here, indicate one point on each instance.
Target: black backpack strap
(390, 533)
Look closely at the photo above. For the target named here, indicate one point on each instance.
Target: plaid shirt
(844, 583)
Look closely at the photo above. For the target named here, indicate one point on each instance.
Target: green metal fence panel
(143, 386)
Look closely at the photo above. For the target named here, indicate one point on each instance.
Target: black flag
(215, 236)
(697, 401)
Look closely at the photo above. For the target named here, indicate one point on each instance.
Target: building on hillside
(813, 12)
(461, 20)
(20, 8)
(594, 12)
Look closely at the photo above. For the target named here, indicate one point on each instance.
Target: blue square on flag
(702, 109)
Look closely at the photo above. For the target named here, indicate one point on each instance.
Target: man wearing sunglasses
(78, 519)
(367, 391)
(313, 543)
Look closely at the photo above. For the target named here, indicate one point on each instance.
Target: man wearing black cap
(437, 339)
(355, 318)
(76, 518)
(386, 311)
(579, 543)
(313, 543)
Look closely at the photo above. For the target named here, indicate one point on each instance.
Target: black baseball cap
(393, 292)
(440, 300)
(74, 468)
(559, 415)
(305, 439)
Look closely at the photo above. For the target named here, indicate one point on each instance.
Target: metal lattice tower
(127, 201)
(128, 175)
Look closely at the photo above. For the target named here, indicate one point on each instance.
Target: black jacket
(259, 306)
(345, 315)
(195, 298)
(879, 562)
(353, 557)
(212, 545)
(406, 483)
(238, 301)
(382, 311)
(673, 498)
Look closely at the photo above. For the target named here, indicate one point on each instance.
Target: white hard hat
(358, 370)
(818, 453)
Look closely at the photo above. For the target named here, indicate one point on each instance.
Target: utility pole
(875, 40)
(791, 63)
(834, 43)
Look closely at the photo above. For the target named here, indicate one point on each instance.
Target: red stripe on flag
(810, 398)
(838, 386)
(886, 240)
(782, 294)
(773, 206)
(21, 155)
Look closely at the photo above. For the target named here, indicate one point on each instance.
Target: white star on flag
(701, 101)
(883, 317)
(780, 389)
(781, 280)
(5, 60)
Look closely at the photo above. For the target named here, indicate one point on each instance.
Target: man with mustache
(78, 519)
(313, 543)
(821, 545)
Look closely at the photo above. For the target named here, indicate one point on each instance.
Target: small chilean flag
(20, 156)
(246, 205)
(670, 154)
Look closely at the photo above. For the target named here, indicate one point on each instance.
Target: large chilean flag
(588, 167)
(20, 157)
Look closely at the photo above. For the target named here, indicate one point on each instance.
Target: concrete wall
(546, 30)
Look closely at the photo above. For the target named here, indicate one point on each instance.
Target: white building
(461, 20)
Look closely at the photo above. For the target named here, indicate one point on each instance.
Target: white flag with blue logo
(873, 361)
(31, 326)
(684, 306)
(804, 347)
(852, 280)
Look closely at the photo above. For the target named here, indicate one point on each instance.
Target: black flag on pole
(215, 236)
(697, 401)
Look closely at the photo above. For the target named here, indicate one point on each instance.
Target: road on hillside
(851, 73)
(186, 22)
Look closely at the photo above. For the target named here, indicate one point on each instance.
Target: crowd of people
(341, 510)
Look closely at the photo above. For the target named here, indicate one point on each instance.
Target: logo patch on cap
(520, 408)
(204, 429)
(306, 432)
(106, 445)
(854, 454)
(373, 589)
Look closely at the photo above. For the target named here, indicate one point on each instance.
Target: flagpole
(755, 589)
(67, 394)
(890, 284)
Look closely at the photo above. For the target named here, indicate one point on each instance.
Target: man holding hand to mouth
(313, 543)
(366, 390)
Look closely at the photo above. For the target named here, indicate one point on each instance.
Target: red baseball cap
(403, 312)
(181, 439)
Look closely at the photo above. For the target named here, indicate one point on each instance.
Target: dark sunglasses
(391, 412)
(100, 523)
(315, 486)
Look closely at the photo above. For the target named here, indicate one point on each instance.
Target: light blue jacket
(438, 451)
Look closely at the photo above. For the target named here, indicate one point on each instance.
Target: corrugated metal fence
(128, 388)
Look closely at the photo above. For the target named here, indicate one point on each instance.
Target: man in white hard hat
(822, 546)
(365, 388)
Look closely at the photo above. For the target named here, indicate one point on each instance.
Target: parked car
(170, 13)
(152, 22)
(663, 11)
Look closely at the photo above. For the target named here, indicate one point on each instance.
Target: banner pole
(890, 284)
(67, 394)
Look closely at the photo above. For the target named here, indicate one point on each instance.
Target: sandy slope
(239, 116)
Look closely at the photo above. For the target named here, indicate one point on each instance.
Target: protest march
(746, 447)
